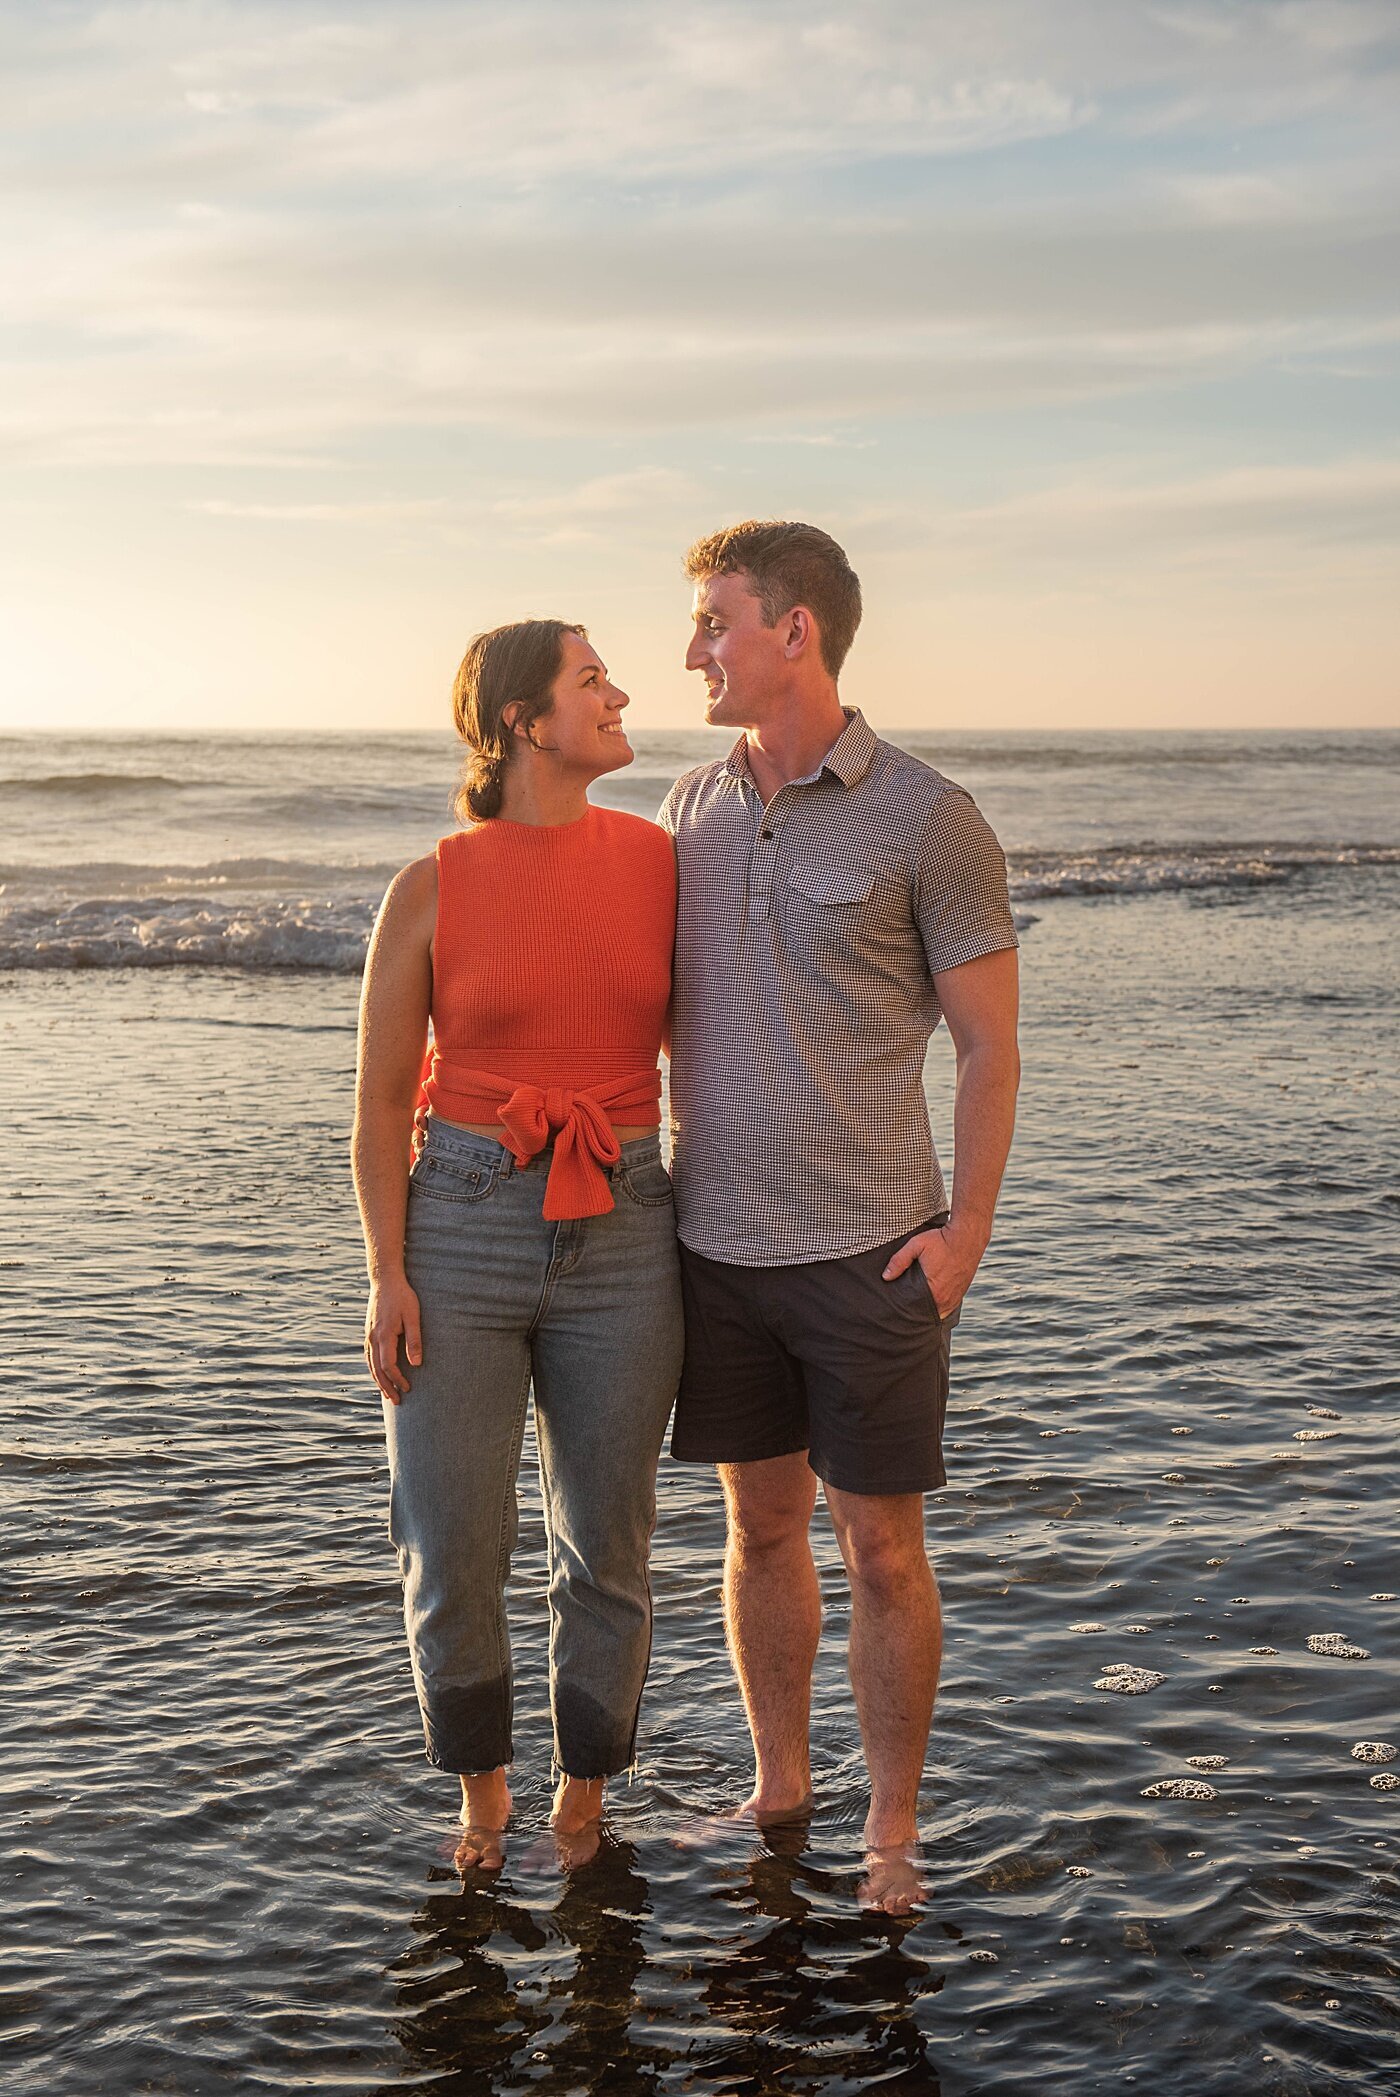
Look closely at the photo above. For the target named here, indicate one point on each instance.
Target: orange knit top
(551, 981)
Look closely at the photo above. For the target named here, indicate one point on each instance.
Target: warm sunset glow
(336, 336)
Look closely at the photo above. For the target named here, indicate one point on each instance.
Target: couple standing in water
(791, 930)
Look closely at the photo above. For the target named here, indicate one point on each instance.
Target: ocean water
(274, 853)
(226, 1866)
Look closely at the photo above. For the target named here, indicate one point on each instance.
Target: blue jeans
(590, 1311)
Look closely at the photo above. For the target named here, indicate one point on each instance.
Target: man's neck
(781, 751)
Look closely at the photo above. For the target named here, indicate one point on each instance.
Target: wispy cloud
(375, 513)
(560, 281)
(1305, 506)
(252, 234)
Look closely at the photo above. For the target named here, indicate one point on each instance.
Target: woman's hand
(392, 1316)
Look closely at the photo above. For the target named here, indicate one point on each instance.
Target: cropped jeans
(589, 1310)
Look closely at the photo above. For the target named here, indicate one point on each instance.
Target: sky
(334, 333)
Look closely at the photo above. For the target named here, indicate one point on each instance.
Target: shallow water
(228, 1868)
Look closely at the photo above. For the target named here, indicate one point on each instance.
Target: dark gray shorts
(826, 1357)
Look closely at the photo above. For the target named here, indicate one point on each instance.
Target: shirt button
(765, 833)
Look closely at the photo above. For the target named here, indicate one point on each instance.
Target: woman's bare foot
(485, 1813)
(894, 1879)
(577, 1820)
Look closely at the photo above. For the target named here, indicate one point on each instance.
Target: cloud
(248, 337)
(245, 234)
(317, 512)
(1303, 506)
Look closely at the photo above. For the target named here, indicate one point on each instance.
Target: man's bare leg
(895, 1652)
(773, 1616)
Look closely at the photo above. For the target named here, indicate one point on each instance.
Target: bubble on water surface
(1323, 1412)
(1128, 1681)
(1374, 1751)
(1215, 1561)
(983, 1958)
(1181, 1787)
(1208, 1761)
(1173, 1478)
(1386, 1781)
(1080, 1871)
(1316, 1434)
(1337, 1647)
(1265, 1652)
(1088, 1627)
(1138, 1630)
(1181, 1430)
(1385, 1598)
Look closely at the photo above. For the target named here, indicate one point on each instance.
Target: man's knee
(769, 1504)
(882, 1543)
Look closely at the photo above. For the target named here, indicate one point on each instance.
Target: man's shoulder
(692, 790)
(909, 786)
(896, 766)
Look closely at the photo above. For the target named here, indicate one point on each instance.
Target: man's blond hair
(787, 565)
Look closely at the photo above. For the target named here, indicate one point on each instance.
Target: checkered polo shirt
(808, 938)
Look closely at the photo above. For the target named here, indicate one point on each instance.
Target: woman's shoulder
(417, 882)
(636, 833)
(410, 901)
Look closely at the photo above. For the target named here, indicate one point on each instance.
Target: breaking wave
(275, 914)
(1126, 870)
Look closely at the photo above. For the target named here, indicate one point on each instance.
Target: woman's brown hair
(510, 666)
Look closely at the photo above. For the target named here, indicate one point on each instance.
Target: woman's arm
(394, 1007)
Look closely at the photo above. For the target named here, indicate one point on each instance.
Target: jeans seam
(499, 1630)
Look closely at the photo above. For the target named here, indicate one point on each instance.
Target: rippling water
(227, 1865)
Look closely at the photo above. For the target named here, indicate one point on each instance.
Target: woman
(534, 1236)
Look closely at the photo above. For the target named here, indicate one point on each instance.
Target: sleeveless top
(551, 983)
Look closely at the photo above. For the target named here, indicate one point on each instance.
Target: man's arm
(979, 1002)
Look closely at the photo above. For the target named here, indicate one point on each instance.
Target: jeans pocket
(647, 1183)
(447, 1179)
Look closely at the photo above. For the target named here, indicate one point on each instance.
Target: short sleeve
(668, 812)
(960, 892)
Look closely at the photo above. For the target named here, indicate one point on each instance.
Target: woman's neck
(542, 795)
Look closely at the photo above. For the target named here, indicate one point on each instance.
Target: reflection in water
(824, 1989)
(492, 1998)
(800, 1991)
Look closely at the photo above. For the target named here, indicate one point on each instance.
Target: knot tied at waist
(579, 1120)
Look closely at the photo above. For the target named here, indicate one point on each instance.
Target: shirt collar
(848, 759)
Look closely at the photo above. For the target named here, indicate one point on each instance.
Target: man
(837, 897)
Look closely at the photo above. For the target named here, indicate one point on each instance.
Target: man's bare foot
(894, 1879)
(485, 1813)
(757, 1815)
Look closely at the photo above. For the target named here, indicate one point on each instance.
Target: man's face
(742, 660)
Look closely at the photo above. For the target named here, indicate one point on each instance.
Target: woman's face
(583, 729)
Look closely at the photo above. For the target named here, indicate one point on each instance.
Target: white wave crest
(268, 934)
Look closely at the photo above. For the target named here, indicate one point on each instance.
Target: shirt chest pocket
(823, 909)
